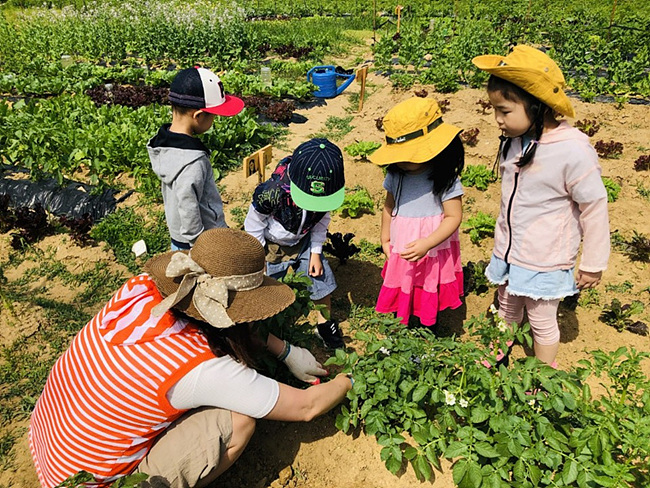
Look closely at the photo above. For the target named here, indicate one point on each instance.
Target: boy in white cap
(182, 161)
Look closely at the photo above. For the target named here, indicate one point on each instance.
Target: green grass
(336, 128)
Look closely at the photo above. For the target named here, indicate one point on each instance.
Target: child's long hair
(535, 109)
(446, 167)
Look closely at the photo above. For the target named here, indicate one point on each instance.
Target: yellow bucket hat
(533, 71)
(415, 133)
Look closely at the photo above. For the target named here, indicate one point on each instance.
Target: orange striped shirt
(105, 400)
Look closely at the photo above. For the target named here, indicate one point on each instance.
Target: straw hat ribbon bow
(210, 292)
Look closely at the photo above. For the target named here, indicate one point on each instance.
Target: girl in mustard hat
(422, 212)
(552, 196)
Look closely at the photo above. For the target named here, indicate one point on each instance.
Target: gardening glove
(302, 364)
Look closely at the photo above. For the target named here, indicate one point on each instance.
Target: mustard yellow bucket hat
(415, 133)
(533, 71)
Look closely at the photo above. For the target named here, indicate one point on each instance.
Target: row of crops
(52, 55)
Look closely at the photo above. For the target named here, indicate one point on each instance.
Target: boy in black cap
(290, 215)
(182, 162)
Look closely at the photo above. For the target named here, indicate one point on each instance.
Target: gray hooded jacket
(192, 201)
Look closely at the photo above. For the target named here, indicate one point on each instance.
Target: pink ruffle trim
(422, 288)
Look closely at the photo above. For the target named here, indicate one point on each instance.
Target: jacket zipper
(512, 197)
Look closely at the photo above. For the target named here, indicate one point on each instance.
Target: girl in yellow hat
(422, 212)
(552, 196)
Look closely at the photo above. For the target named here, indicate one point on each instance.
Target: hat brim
(316, 204)
(265, 301)
(418, 150)
(532, 81)
(231, 106)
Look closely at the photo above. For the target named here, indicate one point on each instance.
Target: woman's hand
(315, 265)
(416, 250)
(586, 279)
(303, 365)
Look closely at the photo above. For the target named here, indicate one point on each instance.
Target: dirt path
(316, 455)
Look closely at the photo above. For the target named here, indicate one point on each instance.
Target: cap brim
(231, 106)
(265, 301)
(417, 150)
(317, 204)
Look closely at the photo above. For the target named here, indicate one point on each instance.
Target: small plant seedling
(474, 279)
(470, 136)
(444, 105)
(32, 225)
(238, 216)
(340, 246)
(589, 298)
(422, 93)
(617, 240)
(643, 191)
(478, 176)
(479, 226)
(589, 127)
(79, 228)
(620, 317)
(362, 149)
(624, 287)
(642, 163)
(485, 105)
(638, 247)
(613, 189)
(356, 203)
(609, 150)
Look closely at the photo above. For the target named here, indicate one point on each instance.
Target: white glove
(303, 364)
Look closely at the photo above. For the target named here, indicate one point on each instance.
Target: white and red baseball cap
(200, 88)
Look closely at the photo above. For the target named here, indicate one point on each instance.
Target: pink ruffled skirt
(421, 288)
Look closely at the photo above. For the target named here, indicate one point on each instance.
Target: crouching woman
(160, 381)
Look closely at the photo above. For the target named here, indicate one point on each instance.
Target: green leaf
(420, 392)
(410, 452)
(486, 450)
(421, 464)
(393, 465)
(460, 470)
(479, 415)
(455, 449)
(570, 471)
(519, 471)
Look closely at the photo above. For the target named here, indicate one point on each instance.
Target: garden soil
(315, 454)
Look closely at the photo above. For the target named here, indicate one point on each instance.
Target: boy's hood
(563, 132)
(170, 152)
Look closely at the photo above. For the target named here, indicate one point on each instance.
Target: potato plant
(426, 398)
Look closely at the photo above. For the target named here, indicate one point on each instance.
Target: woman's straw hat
(415, 133)
(219, 281)
(533, 71)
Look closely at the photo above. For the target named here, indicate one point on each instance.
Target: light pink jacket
(550, 204)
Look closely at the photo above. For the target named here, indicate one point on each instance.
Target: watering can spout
(325, 78)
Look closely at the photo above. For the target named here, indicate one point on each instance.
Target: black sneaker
(331, 335)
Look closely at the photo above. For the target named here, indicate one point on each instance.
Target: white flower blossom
(450, 398)
(463, 403)
(384, 351)
(502, 326)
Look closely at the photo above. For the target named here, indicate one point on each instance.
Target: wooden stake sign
(398, 11)
(361, 78)
(256, 163)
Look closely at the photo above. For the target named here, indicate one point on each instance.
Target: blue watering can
(324, 77)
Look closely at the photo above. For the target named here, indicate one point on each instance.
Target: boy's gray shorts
(321, 286)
